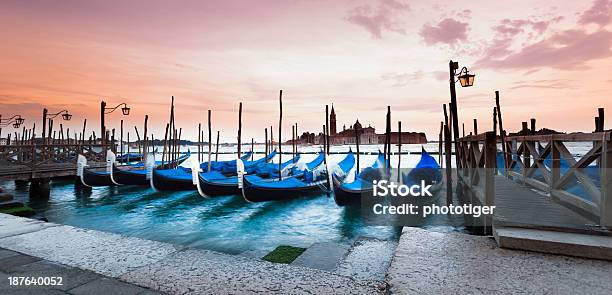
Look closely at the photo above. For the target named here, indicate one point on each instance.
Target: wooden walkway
(25, 172)
(519, 206)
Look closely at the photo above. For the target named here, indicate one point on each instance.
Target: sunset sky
(549, 60)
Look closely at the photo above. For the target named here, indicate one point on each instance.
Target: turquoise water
(227, 224)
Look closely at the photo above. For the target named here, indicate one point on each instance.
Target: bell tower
(332, 121)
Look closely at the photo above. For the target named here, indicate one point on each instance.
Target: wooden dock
(31, 161)
(539, 213)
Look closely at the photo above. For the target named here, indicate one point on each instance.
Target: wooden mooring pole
(239, 129)
(209, 138)
(280, 129)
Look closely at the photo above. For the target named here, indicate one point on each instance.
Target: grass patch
(23, 211)
(284, 254)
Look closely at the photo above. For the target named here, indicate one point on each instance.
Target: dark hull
(348, 197)
(91, 178)
(163, 183)
(212, 189)
(259, 194)
(128, 178)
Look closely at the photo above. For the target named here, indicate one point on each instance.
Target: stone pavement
(427, 262)
(74, 281)
(164, 267)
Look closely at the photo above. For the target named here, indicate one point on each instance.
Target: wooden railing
(477, 169)
(542, 155)
(536, 161)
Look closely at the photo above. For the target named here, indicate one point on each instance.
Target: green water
(228, 224)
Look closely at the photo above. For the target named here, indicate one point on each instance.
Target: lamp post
(466, 80)
(66, 116)
(15, 120)
(104, 110)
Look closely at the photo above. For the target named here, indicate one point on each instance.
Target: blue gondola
(130, 174)
(311, 181)
(216, 183)
(180, 178)
(346, 193)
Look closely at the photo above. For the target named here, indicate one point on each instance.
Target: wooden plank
(519, 206)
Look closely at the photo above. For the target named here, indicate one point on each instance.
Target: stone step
(323, 256)
(553, 242)
(368, 259)
(10, 204)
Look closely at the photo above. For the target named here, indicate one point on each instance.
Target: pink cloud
(382, 18)
(600, 13)
(447, 31)
(565, 50)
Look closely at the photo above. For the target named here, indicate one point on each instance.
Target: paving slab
(323, 256)
(8, 263)
(566, 243)
(7, 253)
(104, 253)
(428, 262)
(71, 277)
(104, 286)
(12, 225)
(367, 259)
(208, 272)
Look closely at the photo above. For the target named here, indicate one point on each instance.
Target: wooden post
(449, 171)
(533, 126)
(145, 147)
(165, 144)
(399, 149)
(463, 127)
(324, 144)
(293, 140)
(600, 111)
(357, 146)
(475, 126)
(280, 128)
(440, 143)
(271, 139)
(490, 150)
(102, 124)
(495, 120)
(502, 133)
(453, 66)
(252, 148)
(239, 129)
(266, 142)
(121, 137)
(84, 125)
(200, 143)
(605, 206)
(388, 164)
(209, 137)
(44, 125)
(327, 130)
(217, 148)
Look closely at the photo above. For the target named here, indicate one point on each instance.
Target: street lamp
(66, 116)
(466, 80)
(15, 120)
(125, 110)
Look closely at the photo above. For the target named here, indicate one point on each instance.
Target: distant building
(366, 135)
